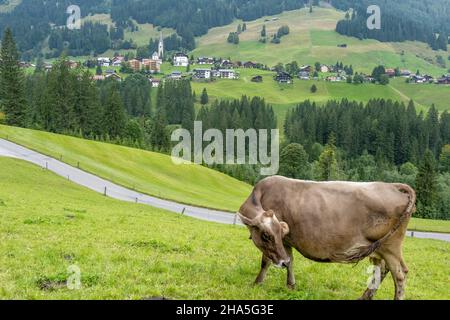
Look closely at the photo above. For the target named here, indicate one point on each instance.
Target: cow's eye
(265, 237)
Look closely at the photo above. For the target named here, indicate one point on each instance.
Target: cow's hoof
(291, 286)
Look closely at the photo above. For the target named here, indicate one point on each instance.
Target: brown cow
(331, 222)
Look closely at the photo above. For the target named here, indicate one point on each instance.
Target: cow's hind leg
(379, 273)
(398, 270)
(265, 264)
(290, 269)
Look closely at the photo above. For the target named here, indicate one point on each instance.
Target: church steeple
(161, 46)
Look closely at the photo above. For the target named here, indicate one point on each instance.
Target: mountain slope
(313, 38)
(147, 172)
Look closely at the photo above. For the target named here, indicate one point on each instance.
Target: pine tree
(99, 70)
(204, 99)
(426, 183)
(263, 32)
(294, 162)
(444, 159)
(328, 167)
(12, 89)
(61, 96)
(114, 118)
(313, 88)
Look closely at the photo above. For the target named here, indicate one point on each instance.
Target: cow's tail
(359, 252)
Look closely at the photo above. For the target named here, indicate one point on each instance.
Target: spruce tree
(114, 118)
(444, 158)
(294, 162)
(426, 184)
(12, 89)
(204, 99)
(328, 168)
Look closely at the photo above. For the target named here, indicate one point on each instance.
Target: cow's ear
(284, 228)
(248, 222)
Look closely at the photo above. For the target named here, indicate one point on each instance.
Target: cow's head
(267, 233)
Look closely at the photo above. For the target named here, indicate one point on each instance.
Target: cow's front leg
(290, 269)
(265, 264)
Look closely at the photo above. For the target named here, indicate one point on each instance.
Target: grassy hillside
(141, 37)
(147, 172)
(128, 251)
(284, 96)
(275, 93)
(154, 173)
(312, 38)
(425, 95)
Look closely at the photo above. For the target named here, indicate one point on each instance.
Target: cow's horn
(245, 220)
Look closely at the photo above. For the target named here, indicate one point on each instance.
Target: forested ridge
(33, 21)
(422, 20)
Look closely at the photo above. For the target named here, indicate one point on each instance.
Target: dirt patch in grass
(47, 284)
(158, 245)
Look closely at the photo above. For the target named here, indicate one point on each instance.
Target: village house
(180, 60)
(103, 62)
(324, 69)
(48, 66)
(202, 74)
(135, 65)
(226, 64)
(225, 74)
(303, 75)
(175, 75)
(421, 79)
(305, 69)
(114, 76)
(444, 80)
(390, 72)
(98, 77)
(283, 77)
(250, 65)
(151, 65)
(117, 61)
(405, 73)
(206, 60)
(417, 79)
(336, 78)
(368, 78)
(155, 83)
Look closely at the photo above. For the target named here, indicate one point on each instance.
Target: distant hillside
(36, 21)
(416, 20)
(39, 24)
(313, 38)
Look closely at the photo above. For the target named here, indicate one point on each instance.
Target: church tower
(161, 46)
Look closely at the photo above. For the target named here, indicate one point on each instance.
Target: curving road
(97, 184)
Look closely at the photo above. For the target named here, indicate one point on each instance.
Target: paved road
(112, 190)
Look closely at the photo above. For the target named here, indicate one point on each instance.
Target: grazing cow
(341, 222)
